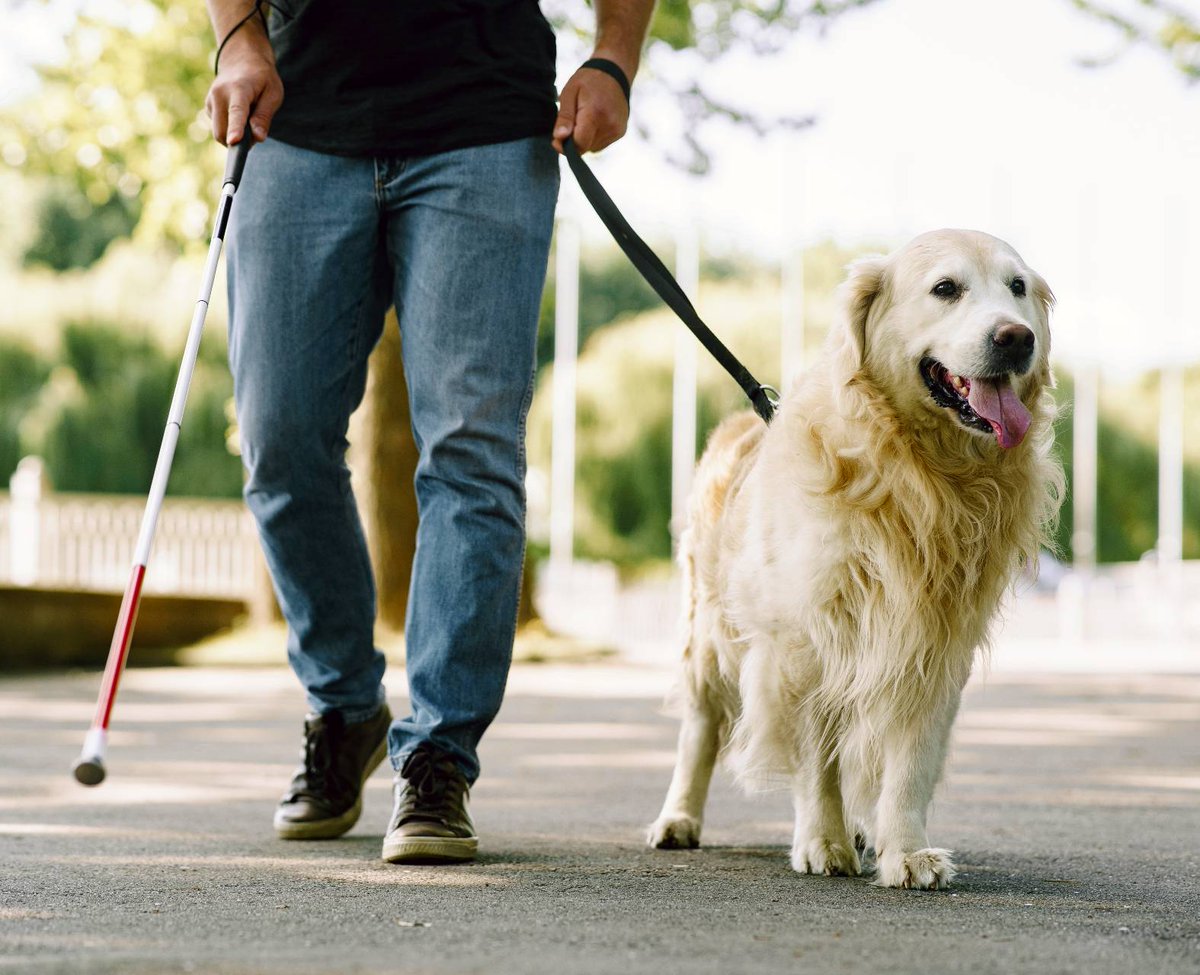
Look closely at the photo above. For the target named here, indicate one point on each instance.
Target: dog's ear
(1044, 298)
(858, 293)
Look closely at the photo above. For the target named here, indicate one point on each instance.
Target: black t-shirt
(411, 77)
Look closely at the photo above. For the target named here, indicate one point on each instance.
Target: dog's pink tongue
(997, 402)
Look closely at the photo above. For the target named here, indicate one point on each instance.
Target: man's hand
(247, 82)
(592, 109)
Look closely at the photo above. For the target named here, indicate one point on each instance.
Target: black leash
(763, 398)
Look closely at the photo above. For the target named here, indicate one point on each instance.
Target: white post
(27, 486)
(683, 401)
(566, 350)
(1083, 487)
(791, 333)
(791, 279)
(1074, 591)
(1169, 545)
(1170, 468)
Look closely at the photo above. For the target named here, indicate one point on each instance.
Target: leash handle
(663, 282)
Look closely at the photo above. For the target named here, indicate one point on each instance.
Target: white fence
(85, 541)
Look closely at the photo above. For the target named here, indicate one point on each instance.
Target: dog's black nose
(1012, 335)
(1011, 348)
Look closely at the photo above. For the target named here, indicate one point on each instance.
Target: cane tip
(89, 771)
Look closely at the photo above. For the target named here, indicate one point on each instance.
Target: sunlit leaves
(1162, 24)
(122, 115)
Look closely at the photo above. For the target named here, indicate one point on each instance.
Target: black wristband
(612, 69)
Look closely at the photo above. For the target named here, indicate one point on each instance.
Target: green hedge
(96, 410)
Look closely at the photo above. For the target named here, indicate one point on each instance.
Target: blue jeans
(318, 247)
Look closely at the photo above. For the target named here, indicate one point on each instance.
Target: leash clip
(766, 401)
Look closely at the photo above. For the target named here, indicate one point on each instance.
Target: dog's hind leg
(678, 825)
(821, 842)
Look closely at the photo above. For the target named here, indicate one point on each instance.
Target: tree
(1160, 24)
(122, 117)
(74, 233)
(387, 497)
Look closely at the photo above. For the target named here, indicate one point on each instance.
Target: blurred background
(771, 143)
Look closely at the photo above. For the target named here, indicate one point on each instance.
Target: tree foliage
(1127, 475)
(22, 375)
(95, 408)
(1164, 25)
(121, 118)
(72, 232)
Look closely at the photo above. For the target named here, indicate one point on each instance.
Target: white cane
(89, 769)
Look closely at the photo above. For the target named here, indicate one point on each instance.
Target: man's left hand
(592, 109)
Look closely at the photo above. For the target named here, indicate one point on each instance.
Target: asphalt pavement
(1072, 802)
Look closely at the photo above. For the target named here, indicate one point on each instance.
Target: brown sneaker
(430, 823)
(325, 797)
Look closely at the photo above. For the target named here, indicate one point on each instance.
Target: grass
(264, 645)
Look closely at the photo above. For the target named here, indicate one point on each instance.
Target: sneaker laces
(434, 785)
(318, 755)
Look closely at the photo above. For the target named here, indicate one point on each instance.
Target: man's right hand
(247, 81)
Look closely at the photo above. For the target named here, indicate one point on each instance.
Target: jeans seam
(346, 488)
(526, 402)
(352, 360)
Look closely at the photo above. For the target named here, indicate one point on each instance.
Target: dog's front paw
(919, 870)
(674, 833)
(820, 855)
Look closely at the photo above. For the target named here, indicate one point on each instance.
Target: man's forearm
(621, 31)
(247, 87)
(225, 15)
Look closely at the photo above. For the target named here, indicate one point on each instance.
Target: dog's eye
(1018, 287)
(946, 289)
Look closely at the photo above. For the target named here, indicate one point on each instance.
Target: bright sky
(933, 113)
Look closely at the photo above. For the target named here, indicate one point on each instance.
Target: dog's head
(953, 326)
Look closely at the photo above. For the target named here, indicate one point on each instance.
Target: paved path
(1073, 804)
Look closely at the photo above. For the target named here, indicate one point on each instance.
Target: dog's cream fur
(845, 563)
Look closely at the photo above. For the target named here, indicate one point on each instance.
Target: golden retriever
(844, 564)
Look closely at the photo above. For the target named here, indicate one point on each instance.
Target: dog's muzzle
(1010, 348)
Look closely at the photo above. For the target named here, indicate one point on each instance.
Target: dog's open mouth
(986, 403)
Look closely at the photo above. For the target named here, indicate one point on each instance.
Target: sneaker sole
(430, 849)
(331, 829)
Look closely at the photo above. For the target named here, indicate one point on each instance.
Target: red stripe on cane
(119, 651)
